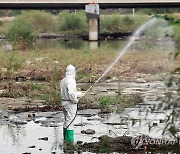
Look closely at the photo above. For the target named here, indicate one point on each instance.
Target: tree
(20, 33)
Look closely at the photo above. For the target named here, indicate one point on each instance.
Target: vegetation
(20, 33)
(120, 101)
(43, 22)
(154, 11)
(66, 22)
(23, 30)
(174, 21)
(8, 13)
(72, 22)
(118, 23)
(42, 70)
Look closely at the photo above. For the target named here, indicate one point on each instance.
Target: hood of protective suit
(70, 71)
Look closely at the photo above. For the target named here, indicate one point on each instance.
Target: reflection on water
(17, 139)
(77, 43)
(165, 44)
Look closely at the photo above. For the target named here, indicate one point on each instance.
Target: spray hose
(79, 99)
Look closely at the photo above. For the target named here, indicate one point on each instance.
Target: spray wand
(129, 43)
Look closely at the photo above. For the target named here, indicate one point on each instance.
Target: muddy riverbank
(32, 127)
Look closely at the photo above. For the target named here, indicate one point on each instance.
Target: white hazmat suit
(69, 96)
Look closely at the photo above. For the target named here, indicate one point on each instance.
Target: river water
(77, 43)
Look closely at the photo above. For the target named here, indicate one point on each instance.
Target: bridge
(80, 4)
(91, 6)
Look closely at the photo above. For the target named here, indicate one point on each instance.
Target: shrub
(177, 37)
(72, 21)
(20, 33)
(127, 20)
(110, 23)
(105, 102)
(42, 21)
(119, 23)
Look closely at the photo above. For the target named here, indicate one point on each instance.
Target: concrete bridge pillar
(92, 13)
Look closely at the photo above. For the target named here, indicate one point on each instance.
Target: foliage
(54, 95)
(72, 21)
(128, 21)
(4, 13)
(105, 102)
(171, 104)
(176, 36)
(20, 33)
(110, 23)
(42, 21)
(119, 23)
(12, 63)
(36, 86)
(174, 21)
(120, 101)
(152, 11)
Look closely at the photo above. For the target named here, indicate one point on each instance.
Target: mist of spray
(136, 34)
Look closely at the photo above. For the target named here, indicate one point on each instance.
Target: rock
(16, 120)
(83, 132)
(30, 115)
(19, 122)
(140, 80)
(114, 79)
(41, 120)
(85, 87)
(80, 124)
(9, 107)
(154, 124)
(88, 131)
(161, 120)
(38, 101)
(79, 142)
(20, 79)
(5, 116)
(33, 146)
(44, 138)
(1, 91)
(4, 69)
(103, 90)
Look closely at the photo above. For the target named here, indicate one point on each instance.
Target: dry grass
(89, 63)
(49, 66)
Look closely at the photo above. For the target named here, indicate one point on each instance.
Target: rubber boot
(68, 135)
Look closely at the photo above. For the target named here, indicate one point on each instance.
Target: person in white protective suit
(69, 97)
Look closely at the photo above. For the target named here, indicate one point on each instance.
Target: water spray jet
(135, 35)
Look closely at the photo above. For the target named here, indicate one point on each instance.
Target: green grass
(36, 86)
(121, 101)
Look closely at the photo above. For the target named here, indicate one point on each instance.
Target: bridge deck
(80, 4)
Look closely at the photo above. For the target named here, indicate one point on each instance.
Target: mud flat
(28, 126)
